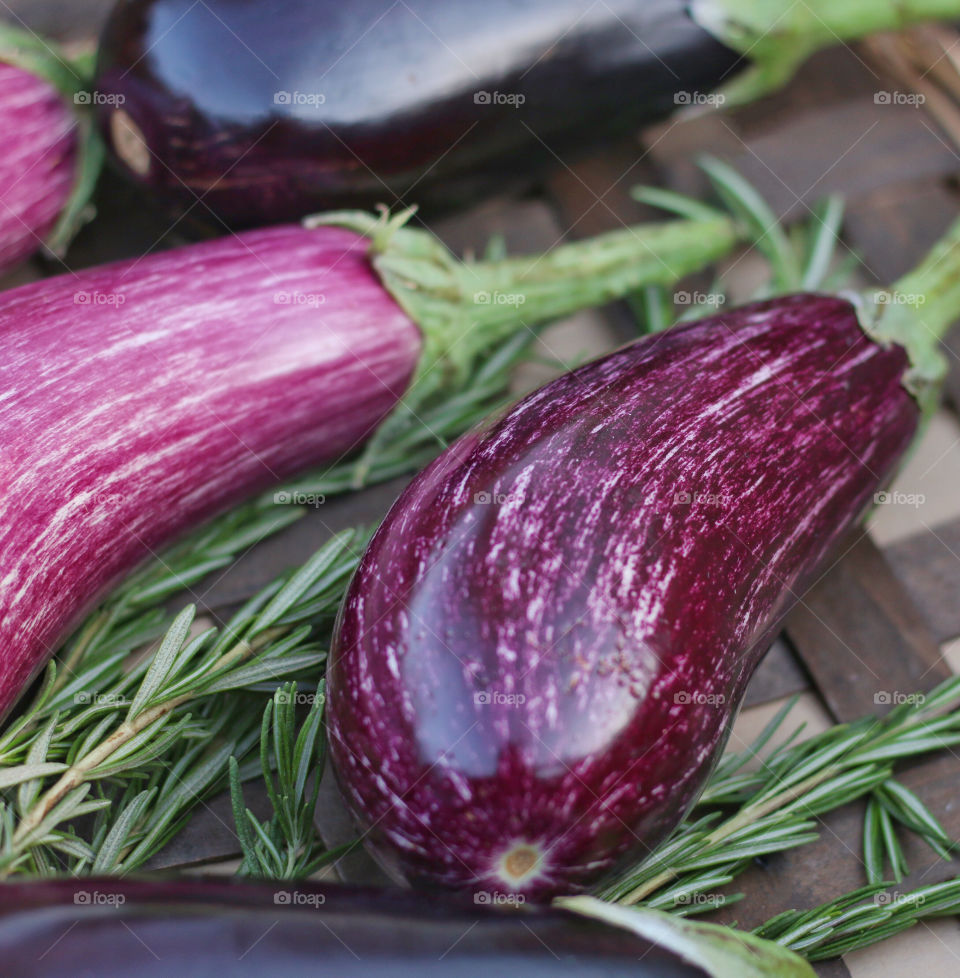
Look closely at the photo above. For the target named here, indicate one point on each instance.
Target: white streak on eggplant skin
(550, 634)
(37, 161)
(127, 420)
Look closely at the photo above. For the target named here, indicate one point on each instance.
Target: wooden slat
(928, 566)
(860, 637)
(76, 20)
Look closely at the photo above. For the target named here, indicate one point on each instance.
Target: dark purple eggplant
(269, 111)
(194, 928)
(541, 653)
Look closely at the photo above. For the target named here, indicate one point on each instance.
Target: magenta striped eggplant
(541, 653)
(51, 154)
(37, 162)
(140, 398)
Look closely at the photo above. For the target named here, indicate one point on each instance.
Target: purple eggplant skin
(273, 111)
(540, 655)
(37, 163)
(199, 927)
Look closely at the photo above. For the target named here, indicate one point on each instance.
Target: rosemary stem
(746, 816)
(74, 776)
(77, 774)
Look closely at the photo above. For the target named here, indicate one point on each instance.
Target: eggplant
(539, 658)
(272, 111)
(51, 153)
(140, 398)
(198, 927)
(36, 165)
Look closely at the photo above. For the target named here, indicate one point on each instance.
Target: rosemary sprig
(801, 259)
(860, 918)
(145, 726)
(292, 758)
(745, 813)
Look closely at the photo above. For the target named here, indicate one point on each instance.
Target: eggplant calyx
(777, 38)
(465, 308)
(916, 312)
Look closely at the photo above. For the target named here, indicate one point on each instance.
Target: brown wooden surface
(875, 622)
(861, 638)
(928, 566)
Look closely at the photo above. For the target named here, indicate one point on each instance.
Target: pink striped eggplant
(51, 153)
(140, 398)
(540, 655)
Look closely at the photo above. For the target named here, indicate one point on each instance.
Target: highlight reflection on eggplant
(273, 111)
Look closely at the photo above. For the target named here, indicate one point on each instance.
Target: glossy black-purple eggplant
(194, 928)
(270, 111)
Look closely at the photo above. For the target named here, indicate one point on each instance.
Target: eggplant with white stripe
(270, 111)
(542, 650)
(51, 153)
(198, 927)
(139, 398)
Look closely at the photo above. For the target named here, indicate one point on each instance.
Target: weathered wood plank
(854, 148)
(928, 566)
(78, 20)
(860, 637)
